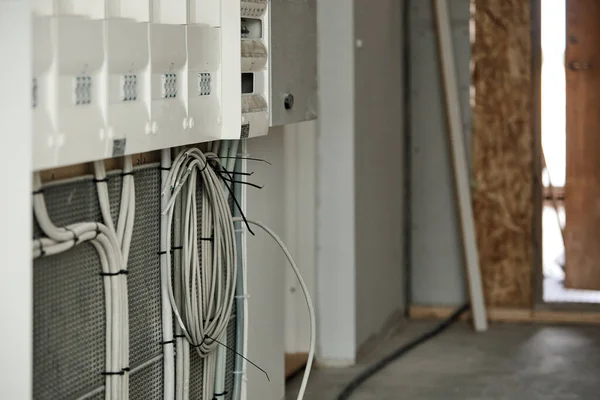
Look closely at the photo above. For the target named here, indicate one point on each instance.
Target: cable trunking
(118, 77)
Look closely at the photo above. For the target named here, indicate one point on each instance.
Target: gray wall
(436, 259)
(379, 164)
(360, 158)
(266, 267)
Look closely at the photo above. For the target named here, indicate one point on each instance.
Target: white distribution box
(46, 140)
(81, 88)
(168, 54)
(95, 9)
(128, 74)
(214, 68)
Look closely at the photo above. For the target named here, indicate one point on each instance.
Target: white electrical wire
(105, 242)
(123, 232)
(311, 310)
(208, 270)
(166, 296)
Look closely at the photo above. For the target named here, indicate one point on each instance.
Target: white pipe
(167, 315)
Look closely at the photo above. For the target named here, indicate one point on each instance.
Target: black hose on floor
(384, 362)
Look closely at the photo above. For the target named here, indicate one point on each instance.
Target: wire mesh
(69, 315)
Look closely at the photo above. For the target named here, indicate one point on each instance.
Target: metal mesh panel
(147, 384)
(196, 375)
(230, 363)
(69, 315)
(145, 331)
(68, 305)
(68, 324)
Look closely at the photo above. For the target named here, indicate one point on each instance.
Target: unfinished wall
(436, 258)
(503, 150)
(501, 142)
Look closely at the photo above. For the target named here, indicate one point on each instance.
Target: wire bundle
(112, 249)
(207, 271)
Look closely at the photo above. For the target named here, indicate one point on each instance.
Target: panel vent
(204, 84)
(129, 88)
(169, 86)
(82, 90)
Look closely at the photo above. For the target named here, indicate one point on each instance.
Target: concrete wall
(360, 261)
(336, 329)
(436, 259)
(266, 268)
(379, 164)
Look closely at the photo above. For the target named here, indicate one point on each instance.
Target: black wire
(384, 362)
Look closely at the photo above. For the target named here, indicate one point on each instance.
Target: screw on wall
(288, 101)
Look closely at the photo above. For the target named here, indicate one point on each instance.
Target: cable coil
(207, 273)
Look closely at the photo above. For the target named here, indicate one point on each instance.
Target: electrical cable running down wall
(112, 246)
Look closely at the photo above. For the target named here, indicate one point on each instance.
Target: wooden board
(503, 147)
(582, 187)
(512, 315)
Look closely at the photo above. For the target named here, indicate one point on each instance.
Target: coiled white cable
(208, 273)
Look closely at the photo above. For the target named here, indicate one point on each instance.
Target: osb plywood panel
(503, 149)
(582, 190)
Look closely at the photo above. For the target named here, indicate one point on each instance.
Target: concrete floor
(508, 362)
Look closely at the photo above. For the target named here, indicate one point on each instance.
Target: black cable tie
(235, 352)
(167, 342)
(254, 185)
(42, 251)
(164, 168)
(179, 336)
(39, 191)
(238, 206)
(244, 158)
(113, 373)
(176, 248)
(127, 173)
(127, 369)
(105, 180)
(210, 239)
(161, 253)
(220, 395)
(75, 237)
(121, 272)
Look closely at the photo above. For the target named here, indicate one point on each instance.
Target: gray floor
(508, 362)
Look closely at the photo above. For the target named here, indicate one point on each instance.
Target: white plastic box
(46, 140)
(81, 90)
(255, 60)
(214, 69)
(128, 74)
(168, 84)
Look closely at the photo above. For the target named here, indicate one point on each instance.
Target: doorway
(570, 256)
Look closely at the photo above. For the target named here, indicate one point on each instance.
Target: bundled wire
(112, 247)
(105, 242)
(207, 271)
(123, 232)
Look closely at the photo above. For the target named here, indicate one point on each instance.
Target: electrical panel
(117, 77)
